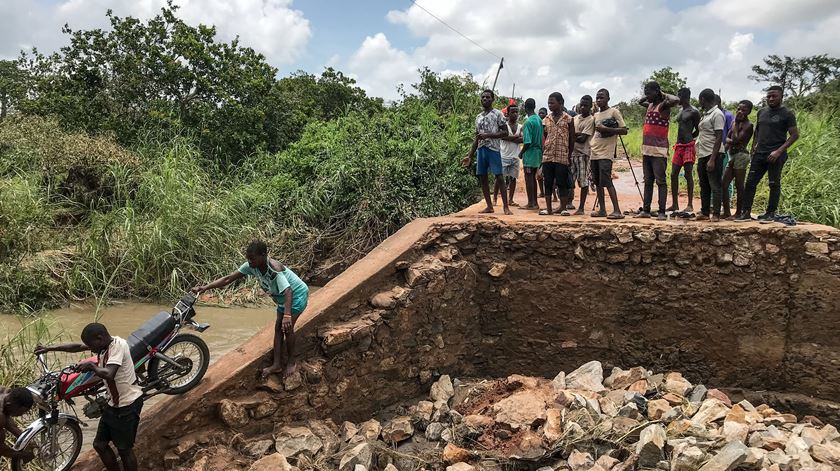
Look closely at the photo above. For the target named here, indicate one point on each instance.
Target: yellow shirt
(603, 147)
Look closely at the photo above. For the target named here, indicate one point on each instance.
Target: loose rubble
(579, 421)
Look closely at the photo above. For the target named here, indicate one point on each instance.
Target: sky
(571, 46)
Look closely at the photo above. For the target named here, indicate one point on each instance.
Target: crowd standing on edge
(561, 148)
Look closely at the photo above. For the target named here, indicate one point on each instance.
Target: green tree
(12, 86)
(451, 94)
(798, 76)
(669, 79)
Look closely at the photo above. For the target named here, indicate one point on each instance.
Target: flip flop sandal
(544, 212)
(615, 216)
(597, 215)
(564, 213)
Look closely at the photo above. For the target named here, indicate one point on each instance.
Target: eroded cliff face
(754, 308)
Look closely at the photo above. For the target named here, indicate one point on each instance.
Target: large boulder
(588, 377)
(294, 441)
(233, 414)
(522, 409)
(442, 389)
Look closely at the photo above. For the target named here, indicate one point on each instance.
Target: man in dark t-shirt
(775, 132)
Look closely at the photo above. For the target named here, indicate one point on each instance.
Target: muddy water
(229, 327)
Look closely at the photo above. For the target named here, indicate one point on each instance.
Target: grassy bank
(810, 189)
(83, 217)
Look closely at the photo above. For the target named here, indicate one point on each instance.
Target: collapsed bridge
(749, 307)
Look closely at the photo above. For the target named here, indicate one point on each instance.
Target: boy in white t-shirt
(510, 155)
(121, 416)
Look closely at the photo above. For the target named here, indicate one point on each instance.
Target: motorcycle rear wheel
(57, 458)
(189, 351)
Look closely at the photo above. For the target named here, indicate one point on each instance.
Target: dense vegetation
(140, 160)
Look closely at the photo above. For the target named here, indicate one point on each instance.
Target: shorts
(556, 175)
(510, 168)
(580, 169)
(118, 425)
(684, 154)
(489, 161)
(602, 172)
(739, 161)
(299, 304)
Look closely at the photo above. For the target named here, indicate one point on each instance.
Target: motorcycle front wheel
(192, 354)
(56, 448)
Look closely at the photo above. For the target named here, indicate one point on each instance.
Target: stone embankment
(632, 419)
(751, 308)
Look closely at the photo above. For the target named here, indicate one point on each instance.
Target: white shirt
(510, 150)
(119, 354)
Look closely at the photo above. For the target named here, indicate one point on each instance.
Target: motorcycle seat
(150, 334)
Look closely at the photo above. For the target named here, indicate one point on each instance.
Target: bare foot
(715, 218)
(508, 211)
(290, 369)
(513, 203)
(266, 372)
(486, 210)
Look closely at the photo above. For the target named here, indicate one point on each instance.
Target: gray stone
(273, 462)
(433, 431)
(651, 445)
(580, 461)
(397, 430)
(497, 270)
(294, 441)
(370, 429)
(442, 389)
(233, 414)
(258, 448)
(687, 459)
(589, 377)
(728, 458)
(360, 454)
(697, 394)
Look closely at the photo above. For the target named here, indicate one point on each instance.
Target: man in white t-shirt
(609, 124)
(510, 155)
(121, 416)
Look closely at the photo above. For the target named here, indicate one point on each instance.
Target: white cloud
(771, 14)
(271, 27)
(378, 66)
(821, 38)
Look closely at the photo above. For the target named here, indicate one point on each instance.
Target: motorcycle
(166, 361)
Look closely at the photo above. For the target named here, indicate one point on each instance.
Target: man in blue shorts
(490, 127)
(289, 292)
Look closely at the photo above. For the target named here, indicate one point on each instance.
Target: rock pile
(581, 421)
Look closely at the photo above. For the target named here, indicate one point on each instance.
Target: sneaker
(661, 217)
(570, 206)
(766, 217)
(643, 215)
(743, 218)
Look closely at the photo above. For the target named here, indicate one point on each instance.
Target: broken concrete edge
(380, 262)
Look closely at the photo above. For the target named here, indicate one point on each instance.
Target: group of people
(561, 149)
(115, 367)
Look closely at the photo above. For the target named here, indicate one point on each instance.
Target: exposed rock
(621, 379)
(719, 395)
(258, 448)
(453, 454)
(651, 445)
(434, 430)
(391, 467)
(698, 393)
(497, 269)
(272, 462)
(687, 459)
(816, 248)
(657, 408)
(710, 411)
(461, 467)
(520, 410)
(795, 446)
(580, 461)
(734, 431)
(478, 421)
(728, 458)
(442, 389)
(828, 453)
(553, 428)
(675, 383)
(384, 300)
(370, 429)
(606, 462)
(530, 447)
(348, 431)
(326, 431)
(293, 441)
(233, 414)
(755, 458)
(360, 454)
(397, 430)
(589, 377)
(423, 412)
(264, 409)
(559, 381)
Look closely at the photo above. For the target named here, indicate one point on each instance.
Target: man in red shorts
(684, 153)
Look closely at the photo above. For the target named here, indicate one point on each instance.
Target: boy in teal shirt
(289, 292)
(531, 153)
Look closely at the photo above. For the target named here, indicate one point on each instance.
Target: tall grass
(154, 221)
(17, 363)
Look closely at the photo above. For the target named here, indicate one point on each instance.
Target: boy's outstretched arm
(219, 283)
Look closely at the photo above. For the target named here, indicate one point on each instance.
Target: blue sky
(572, 46)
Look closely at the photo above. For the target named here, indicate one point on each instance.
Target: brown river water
(229, 327)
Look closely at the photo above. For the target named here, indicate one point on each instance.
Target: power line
(456, 31)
